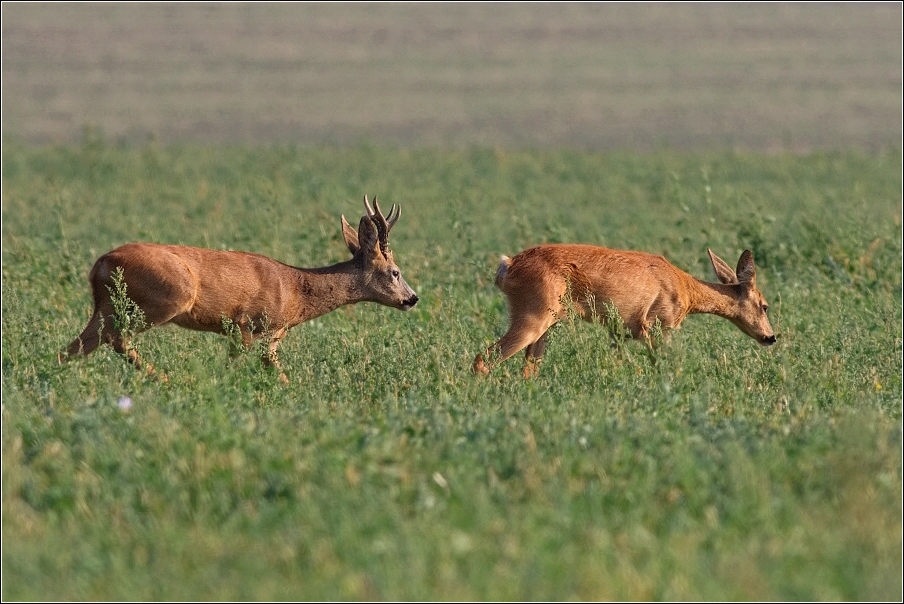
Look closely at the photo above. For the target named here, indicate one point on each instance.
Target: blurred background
(760, 76)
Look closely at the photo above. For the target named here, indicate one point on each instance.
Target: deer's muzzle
(410, 302)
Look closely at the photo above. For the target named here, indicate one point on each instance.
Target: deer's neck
(712, 298)
(322, 290)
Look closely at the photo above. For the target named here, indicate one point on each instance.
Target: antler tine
(367, 209)
(380, 220)
(391, 219)
(394, 212)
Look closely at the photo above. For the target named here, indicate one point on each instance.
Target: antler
(383, 223)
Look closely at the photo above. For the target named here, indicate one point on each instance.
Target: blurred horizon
(759, 77)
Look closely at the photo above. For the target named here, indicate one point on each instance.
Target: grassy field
(715, 469)
(755, 76)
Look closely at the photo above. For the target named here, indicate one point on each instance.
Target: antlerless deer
(642, 287)
(211, 290)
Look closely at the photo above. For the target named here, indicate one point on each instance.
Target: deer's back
(634, 281)
(206, 283)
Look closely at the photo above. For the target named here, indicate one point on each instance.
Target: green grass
(385, 469)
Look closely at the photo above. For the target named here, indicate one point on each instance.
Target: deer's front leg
(269, 357)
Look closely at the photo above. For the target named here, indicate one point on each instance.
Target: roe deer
(642, 287)
(212, 290)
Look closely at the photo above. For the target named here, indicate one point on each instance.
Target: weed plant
(705, 468)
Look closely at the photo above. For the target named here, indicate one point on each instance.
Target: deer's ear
(723, 271)
(368, 238)
(746, 269)
(350, 235)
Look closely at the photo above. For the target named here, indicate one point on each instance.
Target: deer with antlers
(542, 282)
(212, 290)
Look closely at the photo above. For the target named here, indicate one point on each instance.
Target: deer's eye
(395, 273)
(765, 307)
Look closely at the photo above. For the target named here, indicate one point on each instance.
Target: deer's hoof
(480, 367)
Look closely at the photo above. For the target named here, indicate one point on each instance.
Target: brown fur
(643, 287)
(198, 288)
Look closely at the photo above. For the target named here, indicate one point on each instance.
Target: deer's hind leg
(525, 332)
(123, 345)
(87, 342)
(122, 342)
(532, 312)
(101, 330)
(533, 354)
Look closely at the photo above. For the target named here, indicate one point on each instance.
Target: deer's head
(380, 277)
(750, 313)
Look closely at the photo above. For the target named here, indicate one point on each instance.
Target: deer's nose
(411, 301)
(768, 340)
